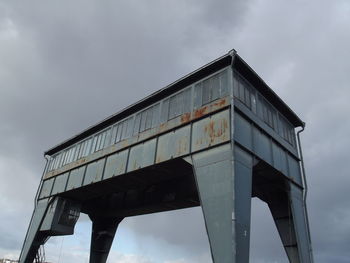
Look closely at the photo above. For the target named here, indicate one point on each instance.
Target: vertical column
(224, 183)
(103, 231)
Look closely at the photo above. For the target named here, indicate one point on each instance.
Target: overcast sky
(65, 65)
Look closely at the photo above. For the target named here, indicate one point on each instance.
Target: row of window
(243, 91)
(204, 92)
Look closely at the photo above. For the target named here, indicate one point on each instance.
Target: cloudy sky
(65, 65)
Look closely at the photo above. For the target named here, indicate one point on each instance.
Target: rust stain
(216, 129)
(200, 112)
(220, 103)
(181, 146)
(185, 117)
(163, 127)
(125, 143)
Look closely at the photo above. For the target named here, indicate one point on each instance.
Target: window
(268, 113)
(244, 92)
(211, 89)
(286, 130)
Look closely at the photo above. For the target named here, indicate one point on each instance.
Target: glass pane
(77, 150)
(156, 113)
(197, 95)
(165, 111)
(149, 118)
(206, 92)
(130, 124)
(215, 87)
(137, 123)
(179, 104)
(143, 121)
(223, 84)
(253, 101)
(241, 91)
(88, 147)
(125, 129)
(247, 97)
(235, 86)
(187, 100)
(94, 142)
(119, 132)
(108, 138)
(172, 107)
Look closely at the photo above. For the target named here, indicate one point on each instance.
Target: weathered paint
(211, 131)
(174, 144)
(141, 137)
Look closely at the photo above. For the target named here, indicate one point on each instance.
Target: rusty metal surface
(174, 144)
(141, 137)
(142, 155)
(211, 131)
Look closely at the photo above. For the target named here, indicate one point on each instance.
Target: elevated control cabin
(214, 138)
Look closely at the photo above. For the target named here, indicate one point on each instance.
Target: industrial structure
(214, 138)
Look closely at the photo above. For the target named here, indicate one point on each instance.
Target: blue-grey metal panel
(174, 144)
(94, 172)
(46, 188)
(242, 206)
(262, 145)
(216, 195)
(211, 131)
(142, 155)
(294, 169)
(76, 178)
(243, 131)
(60, 183)
(279, 159)
(116, 164)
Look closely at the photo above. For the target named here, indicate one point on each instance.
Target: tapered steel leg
(224, 182)
(288, 213)
(103, 231)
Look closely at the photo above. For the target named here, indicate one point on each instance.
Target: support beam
(103, 232)
(224, 182)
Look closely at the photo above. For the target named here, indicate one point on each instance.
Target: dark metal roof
(238, 63)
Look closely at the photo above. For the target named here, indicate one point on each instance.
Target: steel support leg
(103, 231)
(224, 182)
(34, 238)
(288, 213)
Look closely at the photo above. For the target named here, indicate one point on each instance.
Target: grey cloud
(65, 66)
